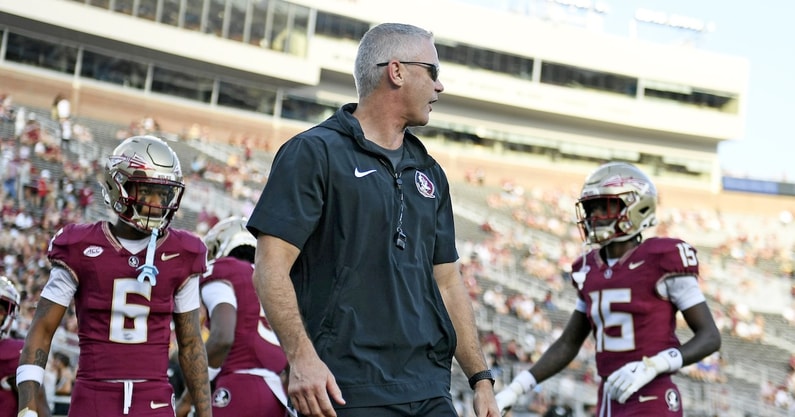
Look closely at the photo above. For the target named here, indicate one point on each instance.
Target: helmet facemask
(617, 202)
(9, 305)
(147, 204)
(143, 183)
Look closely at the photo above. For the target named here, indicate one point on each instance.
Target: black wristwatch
(481, 376)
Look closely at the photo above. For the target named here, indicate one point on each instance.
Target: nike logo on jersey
(643, 398)
(360, 174)
(154, 406)
(167, 257)
(633, 265)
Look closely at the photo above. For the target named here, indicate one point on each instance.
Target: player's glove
(27, 412)
(628, 379)
(522, 383)
(5, 384)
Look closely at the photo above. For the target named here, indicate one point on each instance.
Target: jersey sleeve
(61, 245)
(187, 297)
(676, 257)
(60, 288)
(682, 290)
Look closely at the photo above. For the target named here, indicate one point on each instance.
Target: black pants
(432, 407)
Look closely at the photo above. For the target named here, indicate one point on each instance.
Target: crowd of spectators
(781, 394)
(35, 205)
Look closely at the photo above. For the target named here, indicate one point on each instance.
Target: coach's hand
(312, 387)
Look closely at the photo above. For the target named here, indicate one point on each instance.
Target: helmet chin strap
(579, 276)
(149, 270)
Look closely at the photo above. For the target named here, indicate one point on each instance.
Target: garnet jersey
(9, 359)
(255, 345)
(124, 325)
(629, 318)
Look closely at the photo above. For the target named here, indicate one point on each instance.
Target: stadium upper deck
(513, 83)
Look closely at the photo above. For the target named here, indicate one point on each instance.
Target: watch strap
(487, 374)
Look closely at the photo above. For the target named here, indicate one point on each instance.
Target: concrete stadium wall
(37, 88)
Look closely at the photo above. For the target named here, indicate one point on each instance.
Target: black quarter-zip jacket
(372, 309)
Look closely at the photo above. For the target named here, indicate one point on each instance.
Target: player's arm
(42, 404)
(33, 358)
(554, 360)
(220, 297)
(684, 292)
(468, 350)
(310, 382)
(193, 360)
(706, 336)
(41, 397)
(564, 349)
(223, 317)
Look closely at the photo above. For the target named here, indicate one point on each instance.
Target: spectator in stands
(557, 408)
(399, 266)
(538, 402)
(61, 108)
(149, 125)
(767, 391)
(43, 187)
(66, 130)
(782, 398)
(6, 108)
(20, 120)
(491, 344)
(629, 291)
(31, 133)
(61, 113)
(10, 175)
(129, 297)
(514, 352)
(549, 304)
(64, 378)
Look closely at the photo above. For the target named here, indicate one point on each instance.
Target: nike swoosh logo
(634, 265)
(643, 398)
(154, 406)
(360, 174)
(164, 257)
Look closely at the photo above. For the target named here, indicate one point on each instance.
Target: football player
(628, 293)
(9, 352)
(129, 279)
(246, 361)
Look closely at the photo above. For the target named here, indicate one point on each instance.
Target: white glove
(27, 412)
(522, 383)
(631, 377)
(506, 398)
(4, 384)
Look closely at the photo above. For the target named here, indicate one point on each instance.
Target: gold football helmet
(227, 235)
(9, 304)
(143, 183)
(617, 202)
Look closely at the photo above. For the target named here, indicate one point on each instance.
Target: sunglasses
(433, 69)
